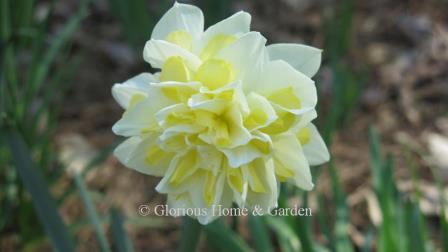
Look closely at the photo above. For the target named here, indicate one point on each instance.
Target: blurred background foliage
(384, 70)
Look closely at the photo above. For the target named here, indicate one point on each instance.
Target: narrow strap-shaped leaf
(40, 195)
(342, 239)
(259, 234)
(287, 237)
(303, 227)
(190, 234)
(225, 239)
(120, 236)
(91, 213)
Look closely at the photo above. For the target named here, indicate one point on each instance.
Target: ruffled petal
(133, 89)
(140, 118)
(261, 112)
(141, 154)
(157, 52)
(290, 162)
(235, 25)
(251, 45)
(257, 147)
(315, 150)
(181, 17)
(265, 198)
(305, 59)
(287, 87)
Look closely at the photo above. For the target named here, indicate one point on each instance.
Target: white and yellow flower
(226, 119)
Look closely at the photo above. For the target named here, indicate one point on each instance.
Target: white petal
(222, 197)
(132, 153)
(238, 197)
(237, 24)
(246, 55)
(316, 151)
(279, 74)
(245, 154)
(210, 159)
(256, 102)
(179, 202)
(182, 17)
(181, 128)
(304, 120)
(164, 186)
(304, 58)
(203, 101)
(239, 135)
(141, 117)
(268, 200)
(288, 152)
(241, 155)
(123, 92)
(156, 52)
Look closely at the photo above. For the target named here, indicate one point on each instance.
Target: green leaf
(375, 159)
(134, 19)
(415, 228)
(342, 241)
(444, 223)
(41, 69)
(91, 213)
(287, 238)
(224, 239)
(259, 234)
(40, 195)
(303, 228)
(121, 238)
(190, 234)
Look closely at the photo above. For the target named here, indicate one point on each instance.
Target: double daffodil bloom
(227, 118)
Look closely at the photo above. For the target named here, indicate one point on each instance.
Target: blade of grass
(121, 238)
(40, 195)
(91, 213)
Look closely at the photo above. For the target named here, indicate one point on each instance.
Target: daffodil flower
(227, 118)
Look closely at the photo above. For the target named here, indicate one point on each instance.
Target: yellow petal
(184, 166)
(284, 121)
(175, 69)
(286, 98)
(255, 181)
(304, 135)
(181, 38)
(235, 178)
(215, 44)
(154, 155)
(215, 73)
(209, 188)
